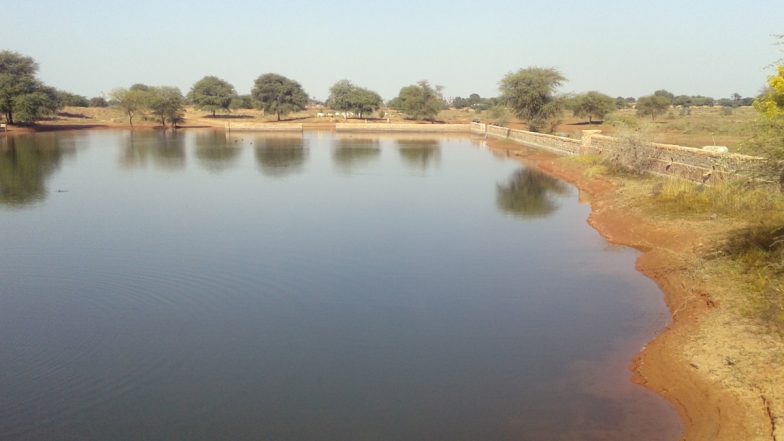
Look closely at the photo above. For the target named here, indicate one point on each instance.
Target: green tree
(242, 102)
(212, 93)
(736, 98)
(665, 94)
(98, 101)
(653, 105)
(726, 102)
(593, 104)
(345, 96)
(33, 106)
(419, 101)
(279, 95)
(130, 101)
(71, 99)
(771, 103)
(139, 87)
(769, 131)
(699, 100)
(460, 102)
(530, 93)
(20, 90)
(167, 104)
(620, 103)
(683, 100)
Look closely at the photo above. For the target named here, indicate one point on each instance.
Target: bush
(98, 102)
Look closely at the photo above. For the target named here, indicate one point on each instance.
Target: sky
(621, 48)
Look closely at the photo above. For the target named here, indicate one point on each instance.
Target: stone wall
(263, 127)
(388, 127)
(664, 159)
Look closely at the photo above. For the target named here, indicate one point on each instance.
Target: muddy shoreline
(708, 411)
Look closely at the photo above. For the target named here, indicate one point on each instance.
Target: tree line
(530, 94)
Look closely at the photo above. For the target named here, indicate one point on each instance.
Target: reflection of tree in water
(281, 156)
(529, 193)
(25, 164)
(166, 149)
(350, 153)
(420, 153)
(214, 153)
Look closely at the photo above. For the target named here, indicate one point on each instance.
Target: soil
(722, 372)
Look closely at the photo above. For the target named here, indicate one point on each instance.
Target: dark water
(190, 287)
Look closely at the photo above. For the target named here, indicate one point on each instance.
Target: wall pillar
(585, 146)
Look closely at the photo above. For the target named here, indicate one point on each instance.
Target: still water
(194, 286)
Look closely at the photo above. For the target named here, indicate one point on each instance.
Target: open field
(703, 126)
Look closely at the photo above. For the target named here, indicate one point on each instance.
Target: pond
(199, 286)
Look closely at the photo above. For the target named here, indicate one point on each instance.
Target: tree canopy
(279, 95)
(665, 94)
(71, 99)
(212, 94)
(167, 104)
(769, 130)
(771, 104)
(653, 105)
(593, 104)
(419, 101)
(31, 107)
(21, 93)
(345, 96)
(130, 101)
(530, 93)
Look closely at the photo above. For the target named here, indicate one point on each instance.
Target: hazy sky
(628, 48)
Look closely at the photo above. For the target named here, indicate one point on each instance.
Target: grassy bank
(745, 225)
(716, 252)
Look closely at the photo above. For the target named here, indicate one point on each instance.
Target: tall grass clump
(733, 199)
(755, 252)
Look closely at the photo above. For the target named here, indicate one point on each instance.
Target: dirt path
(723, 376)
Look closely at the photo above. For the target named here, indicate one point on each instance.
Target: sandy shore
(724, 378)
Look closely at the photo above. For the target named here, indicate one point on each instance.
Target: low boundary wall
(262, 127)
(408, 128)
(664, 159)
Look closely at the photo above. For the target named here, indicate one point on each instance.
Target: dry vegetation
(703, 126)
(745, 222)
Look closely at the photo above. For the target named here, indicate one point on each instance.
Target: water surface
(194, 286)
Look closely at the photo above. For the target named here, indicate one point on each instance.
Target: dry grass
(737, 200)
(703, 126)
(747, 221)
(748, 254)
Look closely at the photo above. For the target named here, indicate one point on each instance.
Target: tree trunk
(130, 119)
(10, 117)
(278, 114)
(213, 113)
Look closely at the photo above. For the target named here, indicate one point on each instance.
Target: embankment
(686, 364)
(689, 163)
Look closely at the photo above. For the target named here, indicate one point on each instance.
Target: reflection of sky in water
(193, 286)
